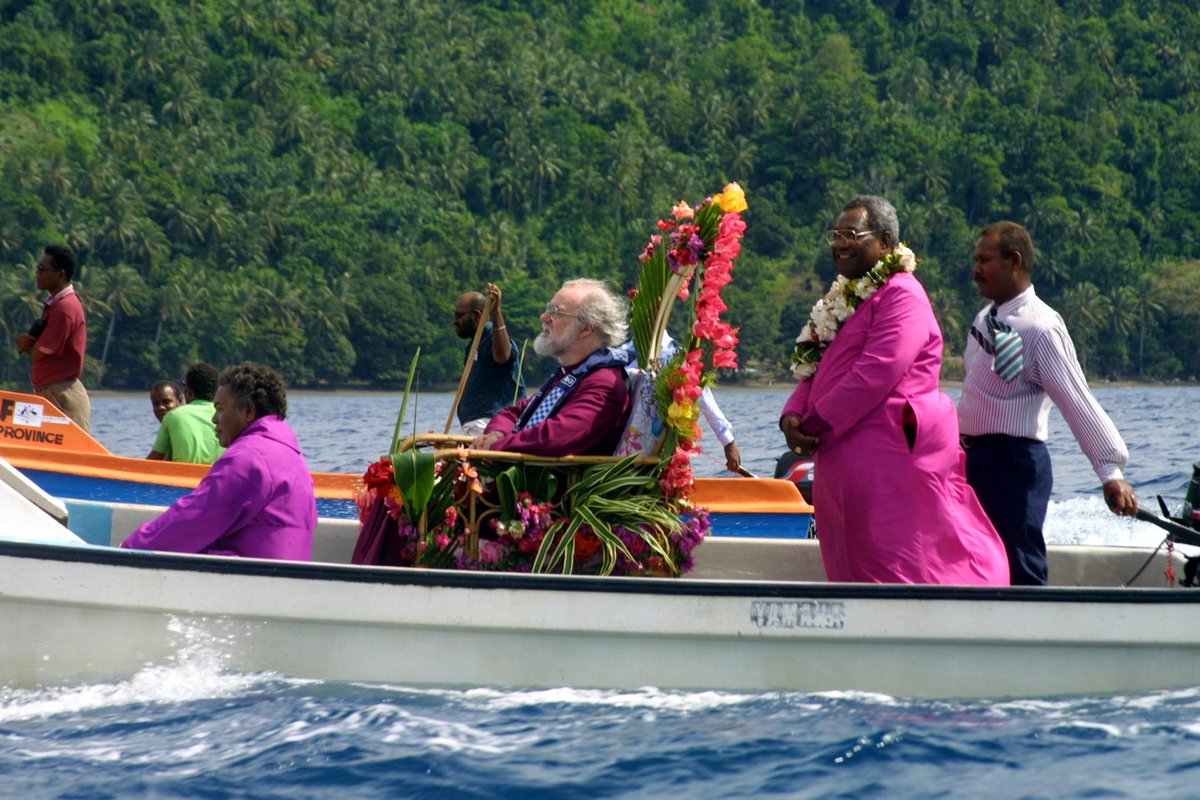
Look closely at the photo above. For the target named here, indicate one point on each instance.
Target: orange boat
(56, 454)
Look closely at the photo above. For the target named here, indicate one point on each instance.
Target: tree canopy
(312, 183)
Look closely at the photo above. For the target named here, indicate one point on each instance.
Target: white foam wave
(649, 698)
(1087, 520)
(194, 672)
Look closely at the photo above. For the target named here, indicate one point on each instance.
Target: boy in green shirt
(187, 433)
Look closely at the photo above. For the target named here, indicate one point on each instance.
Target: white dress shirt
(1052, 373)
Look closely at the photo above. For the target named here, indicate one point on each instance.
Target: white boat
(755, 615)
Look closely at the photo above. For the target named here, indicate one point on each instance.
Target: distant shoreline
(352, 391)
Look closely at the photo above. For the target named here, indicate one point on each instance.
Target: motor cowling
(797, 469)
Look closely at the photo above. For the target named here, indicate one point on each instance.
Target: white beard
(544, 345)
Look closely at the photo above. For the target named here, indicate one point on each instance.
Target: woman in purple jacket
(257, 500)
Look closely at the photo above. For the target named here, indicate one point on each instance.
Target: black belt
(992, 438)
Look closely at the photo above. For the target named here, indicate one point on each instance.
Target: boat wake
(1086, 520)
(195, 671)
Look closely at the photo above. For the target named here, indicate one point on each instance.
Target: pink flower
(490, 552)
(725, 359)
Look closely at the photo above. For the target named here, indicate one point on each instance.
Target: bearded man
(583, 407)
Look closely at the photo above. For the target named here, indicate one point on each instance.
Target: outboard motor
(1189, 514)
(1191, 503)
(799, 470)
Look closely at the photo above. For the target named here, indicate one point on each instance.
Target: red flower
(587, 544)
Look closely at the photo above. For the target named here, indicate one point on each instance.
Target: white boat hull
(83, 613)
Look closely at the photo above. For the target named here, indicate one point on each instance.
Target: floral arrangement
(623, 517)
(694, 247)
(612, 520)
(843, 299)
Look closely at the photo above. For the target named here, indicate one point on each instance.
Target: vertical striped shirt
(1052, 374)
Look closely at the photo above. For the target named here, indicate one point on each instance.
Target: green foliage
(313, 184)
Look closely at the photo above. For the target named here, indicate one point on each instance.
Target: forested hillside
(311, 183)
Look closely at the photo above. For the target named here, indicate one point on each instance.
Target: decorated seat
(437, 503)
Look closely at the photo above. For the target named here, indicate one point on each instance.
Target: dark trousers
(1013, 479)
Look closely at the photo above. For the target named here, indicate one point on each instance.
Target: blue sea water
(191, 729)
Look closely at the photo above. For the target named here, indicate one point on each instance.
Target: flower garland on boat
(844, 297)
(699, 247)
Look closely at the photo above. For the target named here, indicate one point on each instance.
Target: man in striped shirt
(1019, 358)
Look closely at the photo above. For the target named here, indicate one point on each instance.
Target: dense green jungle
(311, 183)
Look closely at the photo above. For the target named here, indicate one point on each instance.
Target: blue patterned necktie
(547, 404)
(1008, 361)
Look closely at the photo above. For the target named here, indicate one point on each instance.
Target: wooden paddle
(462, 382)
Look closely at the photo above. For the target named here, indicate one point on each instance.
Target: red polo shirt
(63, 342)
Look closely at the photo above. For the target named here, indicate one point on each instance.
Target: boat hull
(80, 613)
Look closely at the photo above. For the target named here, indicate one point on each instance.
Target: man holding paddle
(495, 380)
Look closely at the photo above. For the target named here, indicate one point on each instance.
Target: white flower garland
(843, 299)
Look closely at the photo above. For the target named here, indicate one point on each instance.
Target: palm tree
(741, 160)
(268, 81)
(177, 298)
(547, 167)
(1085, 311)
(120, 289)
(184, 107)
(1148, 307)
(242, 20)
(948, 308)
(182, 224)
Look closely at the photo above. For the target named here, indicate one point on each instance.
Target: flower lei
(843, 299)
(703, 240)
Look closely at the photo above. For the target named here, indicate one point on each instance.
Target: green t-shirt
(187, 434)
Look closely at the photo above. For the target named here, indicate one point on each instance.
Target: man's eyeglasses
(557, 312)
(41, 268)
(835, 236)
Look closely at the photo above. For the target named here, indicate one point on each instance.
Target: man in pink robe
(891, 498)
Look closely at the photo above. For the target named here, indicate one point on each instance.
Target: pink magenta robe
(885, 513)
(256, 501)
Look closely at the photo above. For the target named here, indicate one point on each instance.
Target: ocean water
(191, 729)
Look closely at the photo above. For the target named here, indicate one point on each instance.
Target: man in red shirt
(56, 343)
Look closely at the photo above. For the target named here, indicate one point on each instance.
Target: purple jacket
(256, 501)
(590, 420)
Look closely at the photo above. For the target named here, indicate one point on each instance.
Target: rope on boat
(1142, 569)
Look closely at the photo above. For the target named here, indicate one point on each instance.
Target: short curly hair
(258, 384)
(202, 379)
(881, 215)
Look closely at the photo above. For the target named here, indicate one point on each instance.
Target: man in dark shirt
(495, 382)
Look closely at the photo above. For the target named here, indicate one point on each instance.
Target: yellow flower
(732, 198)
(680, 416)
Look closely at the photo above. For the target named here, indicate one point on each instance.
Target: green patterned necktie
(1009, 359)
